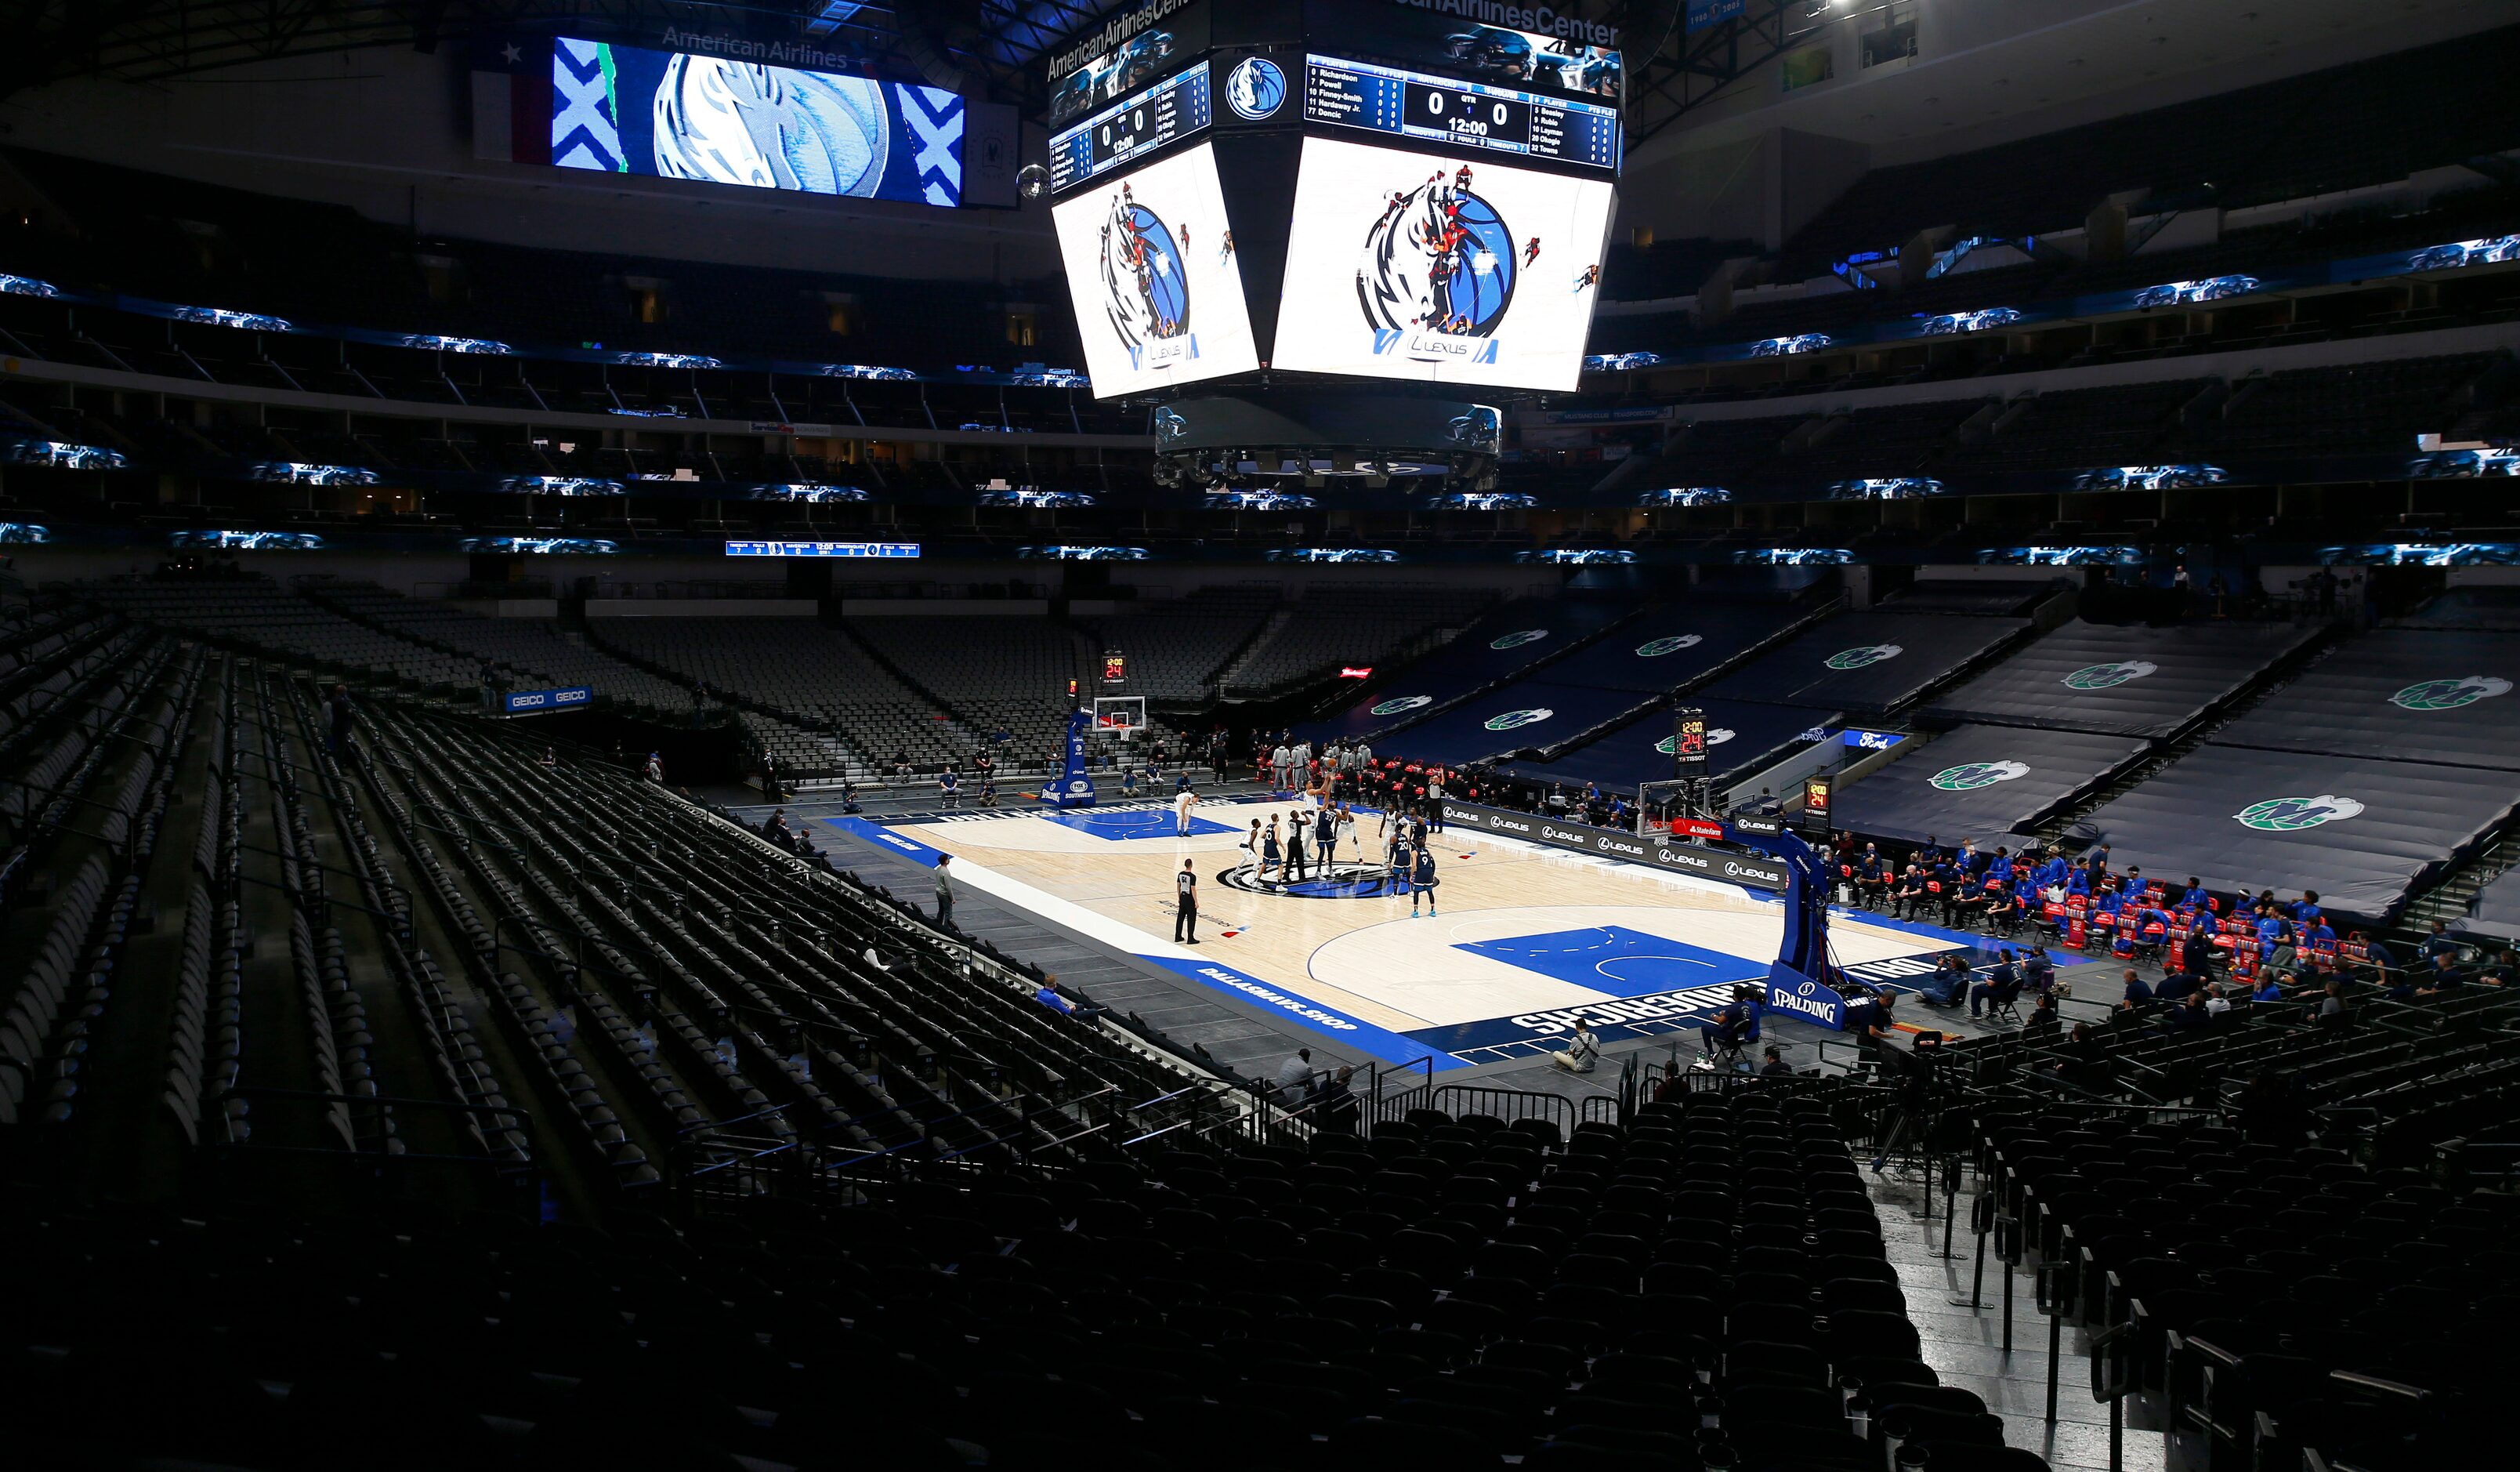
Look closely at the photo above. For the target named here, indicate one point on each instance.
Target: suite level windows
(1023, 327)
(1890, 35)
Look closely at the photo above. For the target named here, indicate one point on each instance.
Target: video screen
(1405, 265)
(1153, 277)
(671, 115)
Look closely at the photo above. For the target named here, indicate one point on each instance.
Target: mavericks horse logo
(1863, 655)
(1512, 719)
(1255, 88)
(2104, 676)
(1971, 775)
(1403, 702)
(1144, 289)
(2292, 815)
(1655, 649)
(2449, 694)
(1516, 640)
(1440, 260)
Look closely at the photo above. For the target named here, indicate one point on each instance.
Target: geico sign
(572, 697)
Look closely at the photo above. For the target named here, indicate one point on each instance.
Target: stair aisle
(1965, 1345)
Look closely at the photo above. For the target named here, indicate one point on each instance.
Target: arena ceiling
(979, 47)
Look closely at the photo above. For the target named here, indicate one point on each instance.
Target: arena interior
(1259, 735)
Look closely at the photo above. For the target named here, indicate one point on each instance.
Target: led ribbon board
(1174, 109)
(1464, 114)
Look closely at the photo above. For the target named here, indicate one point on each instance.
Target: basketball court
(1527, 938)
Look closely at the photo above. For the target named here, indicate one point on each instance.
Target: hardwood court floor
(1523, 928)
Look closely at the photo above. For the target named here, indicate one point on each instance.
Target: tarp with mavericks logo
(1867, 662)
(2404, 693)
(2361, 832)
(1741, 736)
(1987, 783)
(2123, 678)
(1525, 715)
(1670, 645)
(1501, 643)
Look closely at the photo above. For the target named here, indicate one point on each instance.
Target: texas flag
(511, 98)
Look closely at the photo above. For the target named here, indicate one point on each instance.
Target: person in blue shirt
(2307, 912)
(1128, 779)
(2039, 970)
(2437, 941)
(2269, 987)
(1403, 864)
(1421, 881)
(2002, 983)
(2137, 996)
(2270, 932)
(2195, 898)
(2078, 881)
(950, 785)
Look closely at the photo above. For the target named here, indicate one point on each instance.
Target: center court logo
(1863, 655)
(1512, 719)
(2449, 694)
(1655, 649)
(1255, 88)
(1968, 776)
(2104, 676)
(1715, 736)
(1403, 703)
(2293, 814)
(1519, 639)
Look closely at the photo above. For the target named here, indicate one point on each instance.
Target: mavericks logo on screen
(1863, 655)
(2450, 695)
(1655, 649)
(1255, 88)
(1715, 736)
(1438, 271)
(1146, 291)
(2292, 815)
(1971, 775)
(2104, 677)
(1515, 640)
(1512, 719)
(1403, 703)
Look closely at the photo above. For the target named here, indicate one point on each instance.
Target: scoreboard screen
(1465, 113)
(1153, 272)
(1403, 264)
(1176, 108)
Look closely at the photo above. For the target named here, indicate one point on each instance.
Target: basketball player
(1183, 802)
(1421, 881)
(1531, 251)
(1347, 832)
(1251, 848)
(1325, 836)
(1269, 852)
(1403, 864)
(1186, 905)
